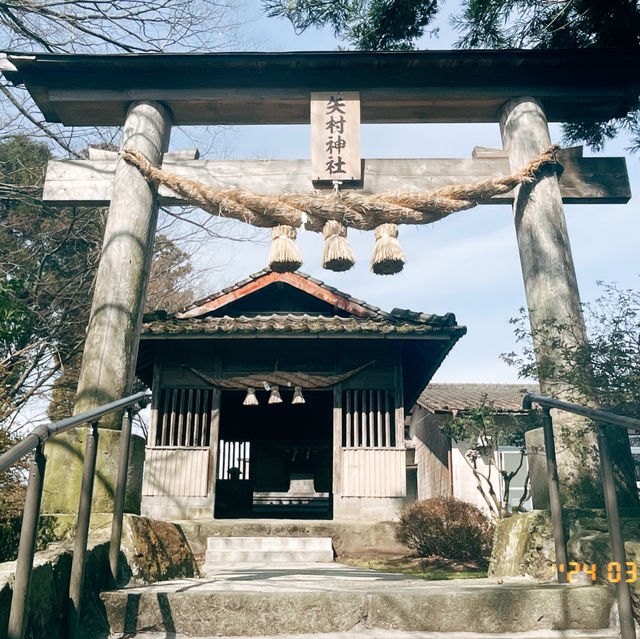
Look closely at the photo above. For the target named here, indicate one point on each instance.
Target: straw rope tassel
(337, 254)
(284, 256)
(387, 257)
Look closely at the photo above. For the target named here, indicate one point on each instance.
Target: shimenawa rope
(349, 209)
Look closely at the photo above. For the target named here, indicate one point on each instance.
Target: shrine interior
(274, 460)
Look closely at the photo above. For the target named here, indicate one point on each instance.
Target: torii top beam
(273, 88)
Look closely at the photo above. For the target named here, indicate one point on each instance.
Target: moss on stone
(155, 551)
(523, 545)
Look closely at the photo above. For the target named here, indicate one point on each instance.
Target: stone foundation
(349, 539)
(173, 508)
(370, 509)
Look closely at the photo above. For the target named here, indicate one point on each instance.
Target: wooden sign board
(335, 136)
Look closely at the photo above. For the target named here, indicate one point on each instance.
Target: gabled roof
(342, 315)
(449, 398)
(295, 306)
(311, 286)
(298, 280)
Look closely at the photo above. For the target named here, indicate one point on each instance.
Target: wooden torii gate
(147, 94)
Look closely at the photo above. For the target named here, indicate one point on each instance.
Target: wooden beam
(173, 156)
(583, 181)
(273, 88)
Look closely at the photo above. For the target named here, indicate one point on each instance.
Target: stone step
(266, 550)
(217, 557)
(263, 601)
(269, 543)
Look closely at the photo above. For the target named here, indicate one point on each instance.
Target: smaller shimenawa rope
(352, 209)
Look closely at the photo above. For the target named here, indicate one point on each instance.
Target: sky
(467, 263)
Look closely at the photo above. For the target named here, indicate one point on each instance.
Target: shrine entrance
(336, 190)
(275, 460)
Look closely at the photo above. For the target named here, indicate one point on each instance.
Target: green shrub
(446, 527)
(9, 537)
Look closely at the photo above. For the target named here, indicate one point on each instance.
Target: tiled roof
(299, 324)
(459, 397)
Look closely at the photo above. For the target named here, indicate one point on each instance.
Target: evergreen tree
(384, 25)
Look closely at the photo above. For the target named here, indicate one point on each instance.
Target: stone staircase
(227, 551)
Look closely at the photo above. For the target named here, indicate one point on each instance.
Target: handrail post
(119, 497)
(627, 630)
(554, 497)
(19, 614)
(76, 581)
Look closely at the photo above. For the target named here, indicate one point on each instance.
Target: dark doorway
(275, 460)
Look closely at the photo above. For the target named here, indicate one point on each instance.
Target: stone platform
(323, 598)
(349, 538)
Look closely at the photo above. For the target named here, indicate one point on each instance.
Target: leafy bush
(446, 527)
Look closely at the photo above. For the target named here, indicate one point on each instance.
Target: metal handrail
(601, 416)
(24, 565)
(603, 419)
(45, 431)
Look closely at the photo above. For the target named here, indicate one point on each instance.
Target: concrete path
(315, 576)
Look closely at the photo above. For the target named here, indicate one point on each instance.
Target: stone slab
(262, 600)
(376, 633)
(150, 550)
(226, 557)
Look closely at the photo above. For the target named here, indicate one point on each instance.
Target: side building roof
(449, 398)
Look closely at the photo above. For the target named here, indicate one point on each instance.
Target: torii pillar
(111, 347)
(552, 295)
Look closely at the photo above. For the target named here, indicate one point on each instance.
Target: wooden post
(337, 446)
(399, 416)
(214, 437)
(111, 346)
(552, 296)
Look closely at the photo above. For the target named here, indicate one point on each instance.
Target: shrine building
(284, 397)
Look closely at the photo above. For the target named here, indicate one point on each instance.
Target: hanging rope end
(337, 254)
(388, 257)
(284, 256)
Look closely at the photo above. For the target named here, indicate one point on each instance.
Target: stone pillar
(552, 296)
(111, 347)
